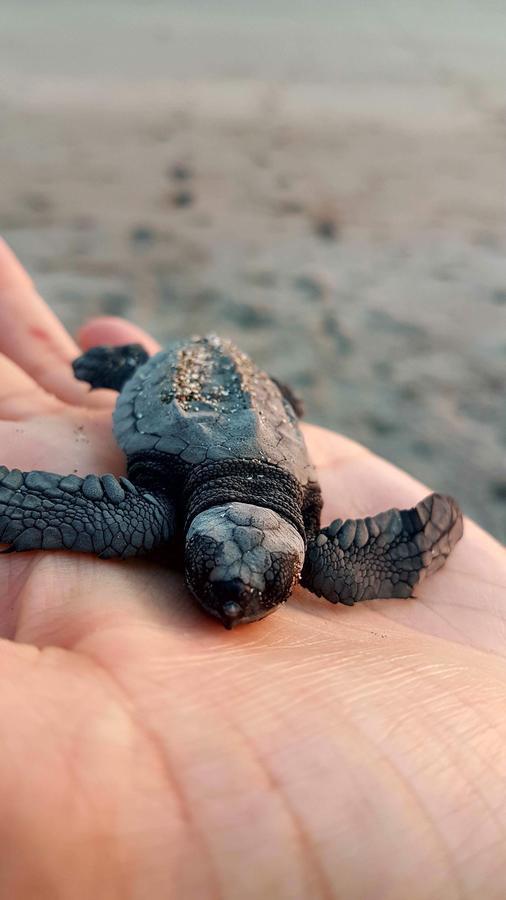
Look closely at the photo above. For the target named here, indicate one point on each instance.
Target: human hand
(146, 752)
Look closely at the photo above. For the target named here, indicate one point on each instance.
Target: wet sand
(326, 187)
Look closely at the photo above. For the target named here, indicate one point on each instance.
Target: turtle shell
(203, 400)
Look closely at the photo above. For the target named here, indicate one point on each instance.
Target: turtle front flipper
(384, 555)
(98, 514)
(109, 367)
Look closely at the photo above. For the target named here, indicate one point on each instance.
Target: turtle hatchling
(219, 474)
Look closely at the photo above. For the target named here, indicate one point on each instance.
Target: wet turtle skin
(218, 473)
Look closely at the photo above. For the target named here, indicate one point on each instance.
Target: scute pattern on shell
(204, 400)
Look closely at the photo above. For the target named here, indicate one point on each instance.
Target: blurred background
(322, 181)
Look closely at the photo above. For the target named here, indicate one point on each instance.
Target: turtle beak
(233, 597)
(232, 614)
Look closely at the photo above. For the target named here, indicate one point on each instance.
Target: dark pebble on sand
(423, 449)
(180, 171)
(326, 219)
(498, 490)
(378, 425)
(312, 287)
(250, 316)
(38, 202)
(332, 328)
(410, 392)
(262, 278)
(142, 235)
(182, 198)
(326, 229)
(383, 369)
(499, 297)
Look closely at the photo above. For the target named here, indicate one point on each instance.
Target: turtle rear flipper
(290, 396)
(384, 555)
(109, 367)
(98, 514)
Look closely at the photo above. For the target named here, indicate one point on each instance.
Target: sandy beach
(324, 184)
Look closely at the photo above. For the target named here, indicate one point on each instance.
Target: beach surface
(323, 182)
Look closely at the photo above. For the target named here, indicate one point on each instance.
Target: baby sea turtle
(216, 460)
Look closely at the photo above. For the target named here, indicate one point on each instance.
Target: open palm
(145, 752)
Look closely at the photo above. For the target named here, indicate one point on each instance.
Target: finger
(20, 396)
(34, 338)
(115, 331)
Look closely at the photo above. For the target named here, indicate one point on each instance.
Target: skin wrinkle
(325, 891)
(468, 606)
(457, 768)
(221, 716)
(401, 784)
(459, 633)
(419, 804)
(37, 400)
(106, 834)
(487, 759)
(17, 585)
(474, 790)
(471, 857)
(160, 752)
(463, 639)
(35, 565)
(320, 680)
(301, 839)
(469, 576)
(434, 706)
(461, 845)
(308, 848)
(451, 675)
(46, 717)
(403, 680)
(436, 831)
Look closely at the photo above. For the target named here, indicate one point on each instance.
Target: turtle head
(242, 561)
